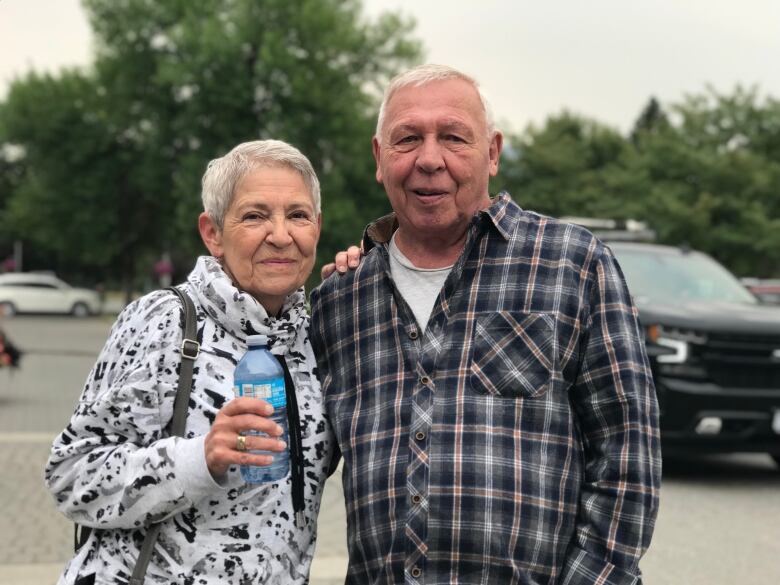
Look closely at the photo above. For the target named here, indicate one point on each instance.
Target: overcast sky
(601, 58)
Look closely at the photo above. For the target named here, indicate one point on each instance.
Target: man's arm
(317, 332)
(344, 260)
(617, 411)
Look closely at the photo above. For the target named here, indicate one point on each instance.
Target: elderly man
(483, 370)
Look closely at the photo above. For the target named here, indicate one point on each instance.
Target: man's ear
(210, 234)
(376, 150)
(319, 226)
(495, 152)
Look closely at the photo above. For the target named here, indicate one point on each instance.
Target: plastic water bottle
(259, 375)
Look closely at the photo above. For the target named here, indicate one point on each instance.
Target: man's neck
(430, 251)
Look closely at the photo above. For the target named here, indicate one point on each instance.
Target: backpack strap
(190, 348)
(297, 463)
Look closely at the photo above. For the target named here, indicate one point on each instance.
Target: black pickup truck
(714, 350)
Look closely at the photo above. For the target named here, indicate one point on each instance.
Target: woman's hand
(344, 260)
(233, 420)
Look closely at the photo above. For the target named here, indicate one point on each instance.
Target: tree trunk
(128, 276)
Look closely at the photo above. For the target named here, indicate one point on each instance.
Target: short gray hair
(223, 174)
(423, 75)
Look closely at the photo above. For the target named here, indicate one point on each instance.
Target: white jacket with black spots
(114, 467)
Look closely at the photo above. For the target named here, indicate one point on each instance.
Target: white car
(22, 292)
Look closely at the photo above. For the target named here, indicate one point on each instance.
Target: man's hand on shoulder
(344, 260)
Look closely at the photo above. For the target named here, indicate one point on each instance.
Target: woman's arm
(113, 466)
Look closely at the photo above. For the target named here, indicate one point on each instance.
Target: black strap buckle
(190, 349)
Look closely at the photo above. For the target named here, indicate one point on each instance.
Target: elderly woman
(116, 468)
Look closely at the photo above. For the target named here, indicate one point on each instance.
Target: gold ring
(240, 443)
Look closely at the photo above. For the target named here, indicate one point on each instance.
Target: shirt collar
(502, 214)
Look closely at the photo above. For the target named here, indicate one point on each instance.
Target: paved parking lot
(719, 522)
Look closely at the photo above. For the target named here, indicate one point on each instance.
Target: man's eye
(406, 140)
(454, 138)
(299, 215)
(252, 216)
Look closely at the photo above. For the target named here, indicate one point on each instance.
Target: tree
(178, 83)
(652, 119)
(570, 166)
(77, 198)
(12, 171)
(712, 178)
(705, 172)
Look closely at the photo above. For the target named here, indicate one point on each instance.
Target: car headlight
(671, 345)
(679, 353)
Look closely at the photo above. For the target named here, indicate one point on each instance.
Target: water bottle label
(272, 391)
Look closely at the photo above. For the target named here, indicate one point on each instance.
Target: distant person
(484, 372)
(116, 469)
(163, 270)
(9, 353)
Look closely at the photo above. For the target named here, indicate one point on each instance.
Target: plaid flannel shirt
(516, 440)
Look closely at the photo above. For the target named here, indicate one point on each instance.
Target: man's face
(435, 159)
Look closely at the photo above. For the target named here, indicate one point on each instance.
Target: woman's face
(268, 241)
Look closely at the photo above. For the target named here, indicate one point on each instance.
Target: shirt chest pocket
(514, 354)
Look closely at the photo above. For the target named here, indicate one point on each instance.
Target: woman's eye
(299, 215)
(253, 216)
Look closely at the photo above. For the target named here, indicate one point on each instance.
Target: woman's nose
(279, 234)
(429, 157)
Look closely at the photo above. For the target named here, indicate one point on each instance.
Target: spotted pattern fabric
(115, 468)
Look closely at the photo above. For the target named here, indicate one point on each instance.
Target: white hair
(423, 75)
(223, 174)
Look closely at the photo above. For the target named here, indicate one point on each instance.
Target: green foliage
(114, 156)
(100, 169)
(77, 197)
(713, 176)
(570, 166)
(705, 173)
(651, 120)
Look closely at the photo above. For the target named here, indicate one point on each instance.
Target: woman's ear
(210, 234)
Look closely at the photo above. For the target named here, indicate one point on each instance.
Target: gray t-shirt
(418, 286)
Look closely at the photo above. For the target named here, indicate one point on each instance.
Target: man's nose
(430, 157)
(279, 234)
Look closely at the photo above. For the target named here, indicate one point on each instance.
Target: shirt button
(425, 380)
(419, 435)
(416, 499)
(416, 572)
(413, 334)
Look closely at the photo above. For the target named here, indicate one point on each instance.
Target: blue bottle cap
(255, 340)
